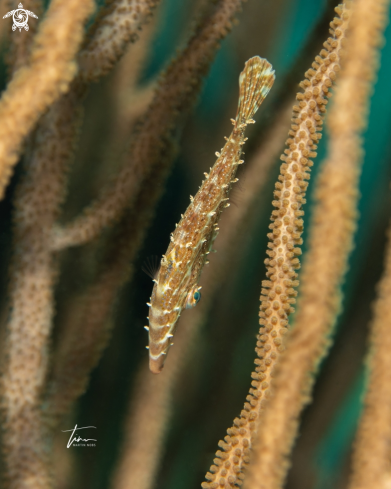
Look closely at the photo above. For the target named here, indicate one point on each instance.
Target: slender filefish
(176, 282)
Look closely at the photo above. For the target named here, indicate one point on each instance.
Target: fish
(176, 282)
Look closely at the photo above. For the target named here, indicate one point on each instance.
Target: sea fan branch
(116, 26)
(278, 292)
(33, 88)
(152, 145)
(330, 242)
(372, 451)
(33, 274)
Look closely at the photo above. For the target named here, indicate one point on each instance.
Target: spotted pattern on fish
(176, 284)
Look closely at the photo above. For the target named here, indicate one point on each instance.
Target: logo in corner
(20, 17)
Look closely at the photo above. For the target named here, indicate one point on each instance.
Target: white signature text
(77, 439)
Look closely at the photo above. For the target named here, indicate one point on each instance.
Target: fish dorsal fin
(151, 266)
(255, 82)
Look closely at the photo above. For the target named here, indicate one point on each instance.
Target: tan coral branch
(88, 329)
(33, 275)
(86, 337)
(145, 428)
(116, 26)
(130, 100)
(31, 301)
(372, 449)
(35, 86)
(371, 455)
(278, 292)
(151, 147)
(330, 241)
(33, 272)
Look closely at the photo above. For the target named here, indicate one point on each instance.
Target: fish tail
(156, 364)
(160, 338)
(255, 82)
(157, 351)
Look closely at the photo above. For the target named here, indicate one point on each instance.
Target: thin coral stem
(117, 25)
(33, 273)
(372, 449)
(278, 292)
(87, 331)
(33, 88)
(371, 456)
(234, 226)
(129, 99)
(31, 296)
(151, 148)
(145, 428)
(330, 242)
(86, 337)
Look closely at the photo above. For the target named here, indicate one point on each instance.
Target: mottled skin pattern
(176, 284)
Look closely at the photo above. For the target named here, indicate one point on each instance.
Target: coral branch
(145, 428)
(233, 229)
(329, 244)
(278, 292)
(130, 99)
(37, 206)
(88, 330)
(371, 455)
(372, 451)
(151, 148)
(31, 297)
(33, 88)
(87, 335)
(116, 26)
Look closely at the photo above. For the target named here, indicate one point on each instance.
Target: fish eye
(193, 297)
(197, 296)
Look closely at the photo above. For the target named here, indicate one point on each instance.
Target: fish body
(176, 284)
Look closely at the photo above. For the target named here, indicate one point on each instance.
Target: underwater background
(214, 381)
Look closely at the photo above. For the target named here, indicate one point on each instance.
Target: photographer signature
(77, 438)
